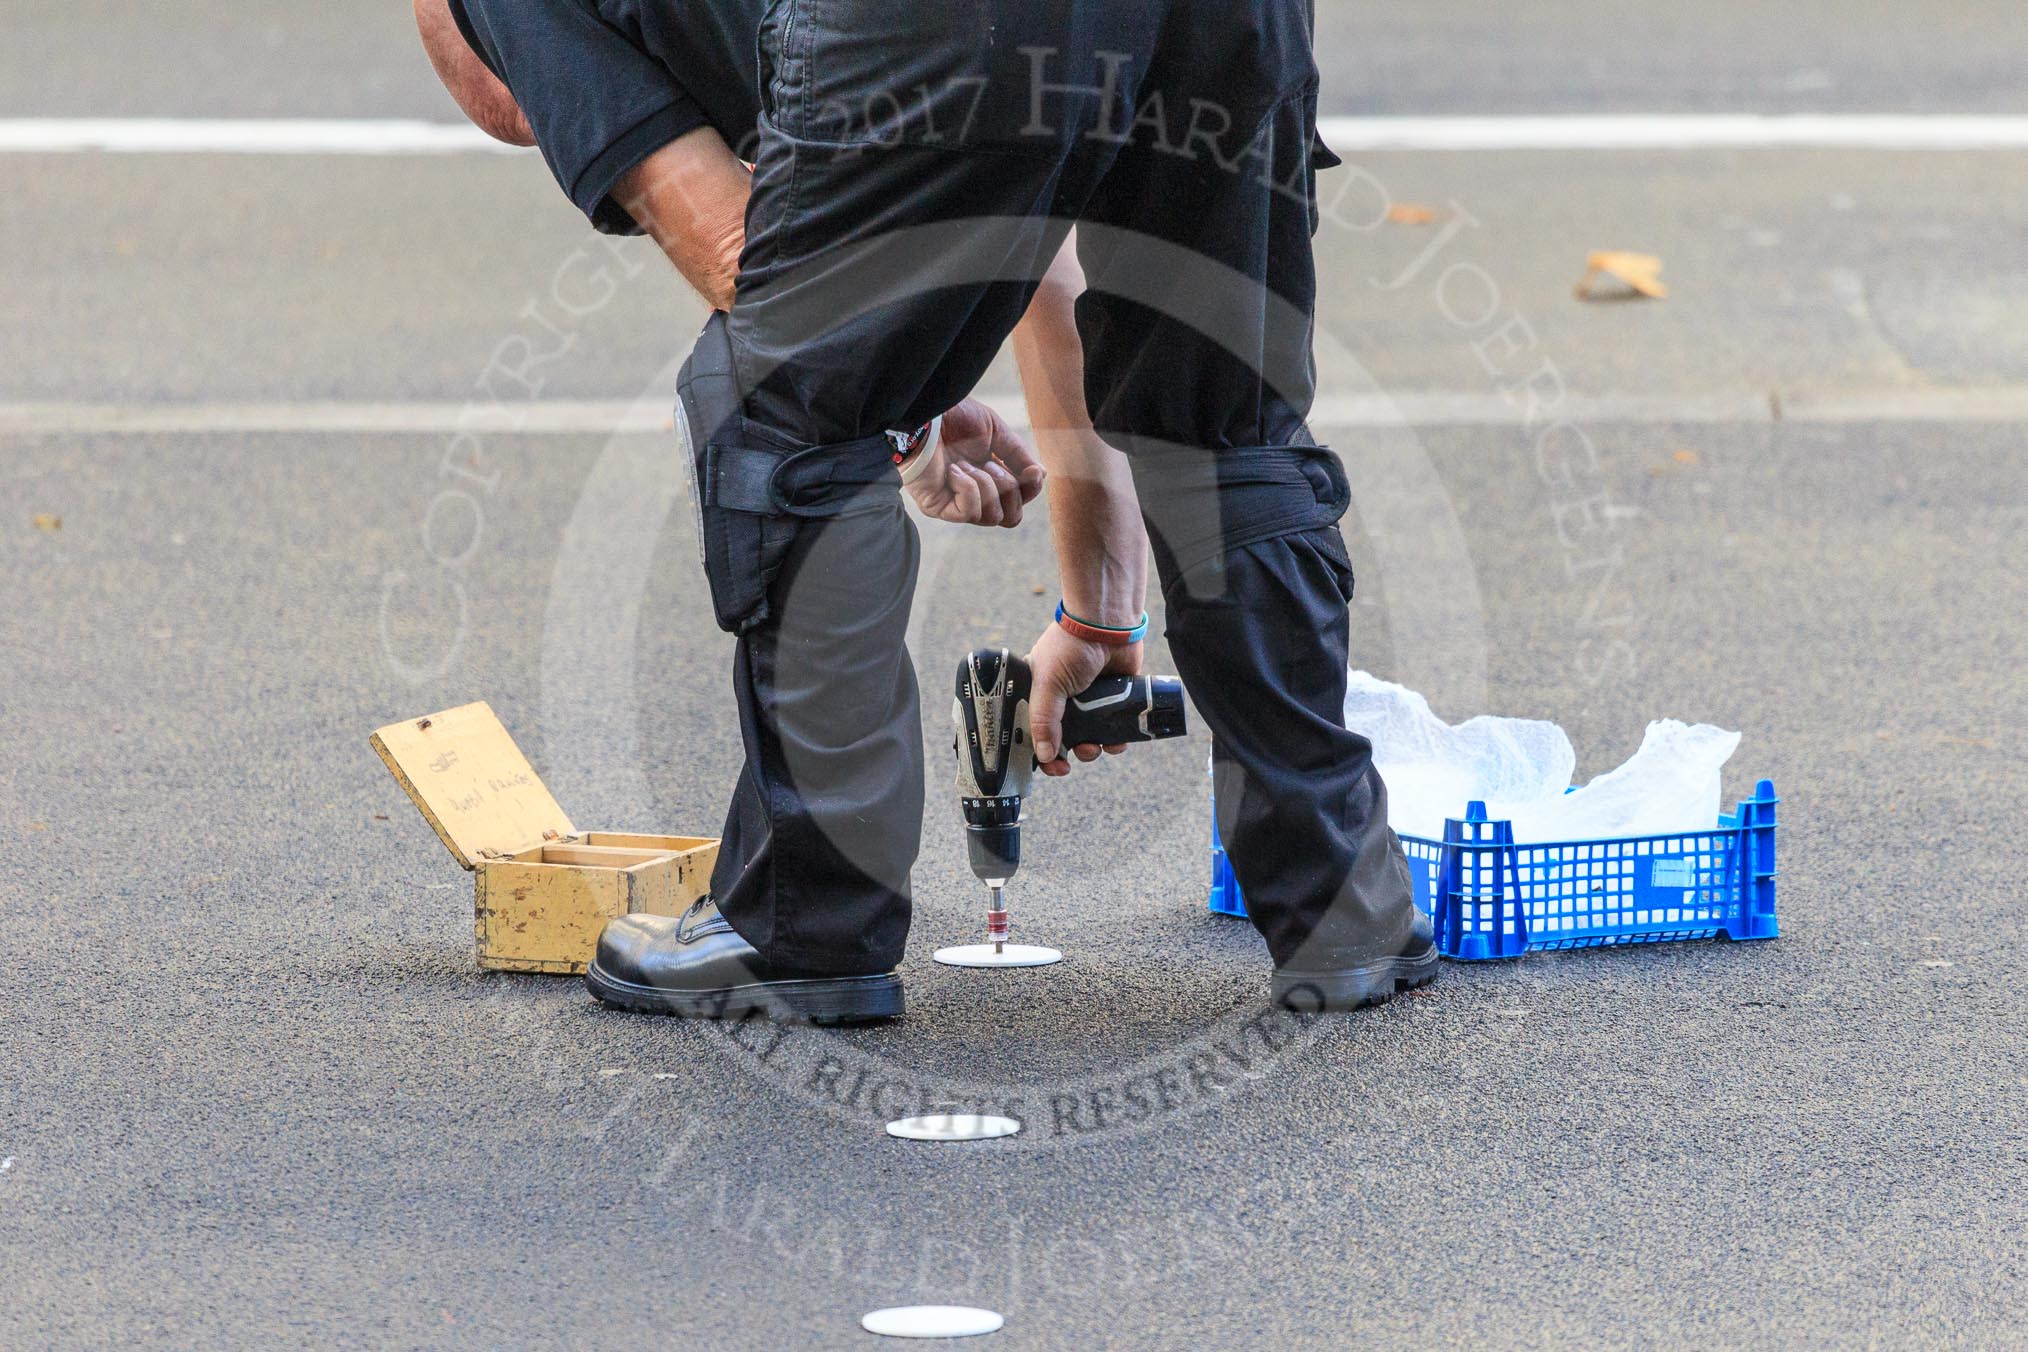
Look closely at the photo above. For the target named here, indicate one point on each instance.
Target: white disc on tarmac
(953, 1127)
(932, 1321)
(982, 955)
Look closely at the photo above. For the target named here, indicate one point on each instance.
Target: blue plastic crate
(1492, 898)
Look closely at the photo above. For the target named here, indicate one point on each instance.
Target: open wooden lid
(472, 783)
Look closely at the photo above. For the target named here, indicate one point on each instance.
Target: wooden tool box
(544, 889)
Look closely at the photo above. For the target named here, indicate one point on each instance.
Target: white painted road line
(1680, 131)
(1411, 408)
(1489, 408)
(243, 136)
(1612, 131)
(548, 416)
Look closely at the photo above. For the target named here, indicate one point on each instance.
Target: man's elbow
(1052, 311)
(1056, 296)
(710, 265)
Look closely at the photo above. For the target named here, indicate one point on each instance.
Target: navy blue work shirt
(606, 83)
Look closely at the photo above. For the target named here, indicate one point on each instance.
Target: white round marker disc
(931, 1321)
(982, 955)
(953, 1127)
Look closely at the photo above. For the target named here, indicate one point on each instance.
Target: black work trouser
(918, 167)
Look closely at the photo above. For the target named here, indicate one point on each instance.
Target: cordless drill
(996, 756)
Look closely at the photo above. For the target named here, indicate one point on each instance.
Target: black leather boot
(697, 967)
(1322, 979)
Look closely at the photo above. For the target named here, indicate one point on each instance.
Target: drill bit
(996, 916)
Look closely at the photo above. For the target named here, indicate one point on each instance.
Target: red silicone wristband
(1110, 638)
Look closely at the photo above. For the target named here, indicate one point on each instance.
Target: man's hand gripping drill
(996, 758)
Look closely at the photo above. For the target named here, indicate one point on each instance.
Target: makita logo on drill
(989, 730)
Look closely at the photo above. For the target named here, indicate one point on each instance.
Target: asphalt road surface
(256, 1093)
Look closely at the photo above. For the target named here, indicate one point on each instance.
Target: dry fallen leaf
(1039, 591)
(1410, 213)
(38, 826)
(1686, 457)
(48, 524)
(1641, 272)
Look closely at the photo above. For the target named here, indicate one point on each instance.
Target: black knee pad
(1203, 505)
(752, 489)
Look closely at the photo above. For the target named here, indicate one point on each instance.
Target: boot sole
(1354, 987)
(821, 1000)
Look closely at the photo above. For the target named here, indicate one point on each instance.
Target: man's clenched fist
(980, 473)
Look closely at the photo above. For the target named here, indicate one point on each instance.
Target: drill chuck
(995, 850)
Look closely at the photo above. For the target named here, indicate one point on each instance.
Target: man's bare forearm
(1095, 516)
(690, 196)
